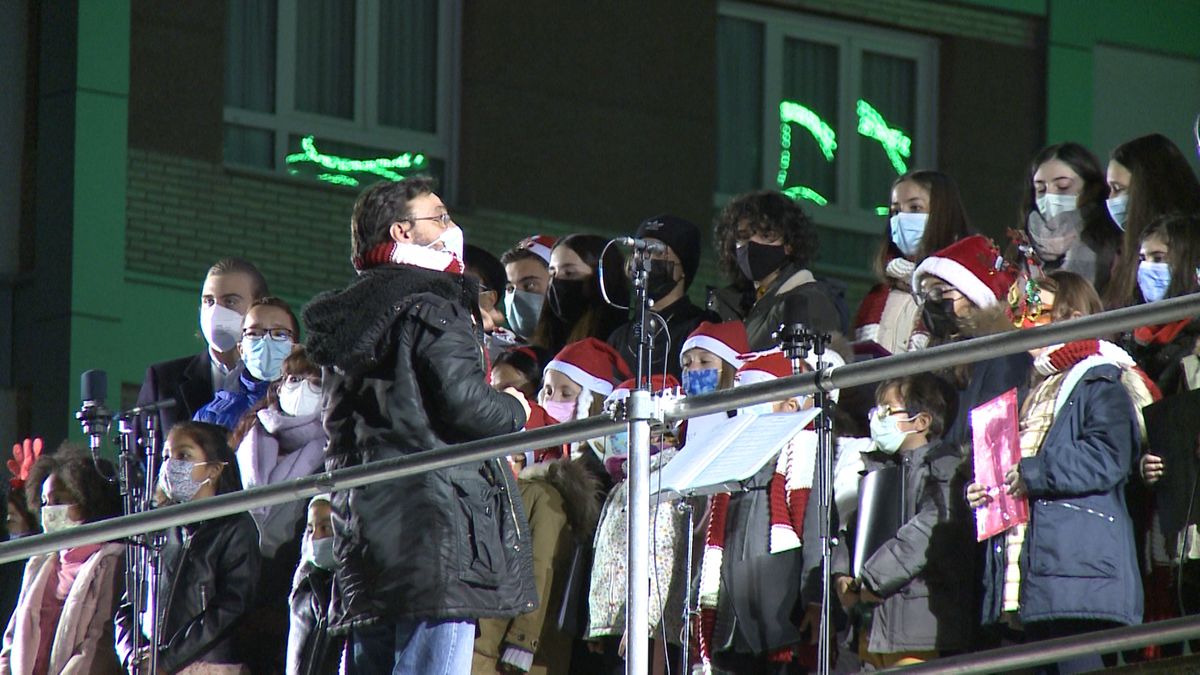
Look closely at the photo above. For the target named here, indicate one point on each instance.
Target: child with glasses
(914, 592)
(269, 332)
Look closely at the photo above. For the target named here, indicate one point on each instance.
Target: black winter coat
(403, 369)
(206, 588)
(310, 650)
(682, 318)
(824, 300)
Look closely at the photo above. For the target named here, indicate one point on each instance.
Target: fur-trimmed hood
(580, 490)
(348, 329)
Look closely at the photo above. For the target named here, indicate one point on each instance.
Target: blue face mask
(1116, 209)
(264, 357)
(1153, 280)
(700, 381)
(907, 231)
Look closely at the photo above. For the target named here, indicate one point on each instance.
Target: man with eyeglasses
(419, 558)
(230, 287)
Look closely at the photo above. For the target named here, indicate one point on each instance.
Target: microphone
(793, 335)
(93, 416)
(646, 245)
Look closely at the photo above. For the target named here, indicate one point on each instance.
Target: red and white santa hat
(539, 244)
(727, 340)
(591, 364)
(972, 265)
(771, 364)
(658, 384)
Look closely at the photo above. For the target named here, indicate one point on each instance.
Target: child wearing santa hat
(765, 531)
(574, 386)
(668, 577)
(963, 292)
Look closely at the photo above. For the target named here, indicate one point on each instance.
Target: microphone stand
(796, 341)
(142, 553)
(639, 413)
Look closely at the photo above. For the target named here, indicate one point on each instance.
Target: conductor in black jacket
(230, 286)
(419, 558)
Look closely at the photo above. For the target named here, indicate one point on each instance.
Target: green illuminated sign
(895, 143)
(338, 169)
(871, 124)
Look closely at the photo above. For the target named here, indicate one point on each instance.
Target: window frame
(851, 40)
(363, 130)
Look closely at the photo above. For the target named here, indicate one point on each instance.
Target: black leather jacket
(403, 368)
(310, 650)
(207, 585)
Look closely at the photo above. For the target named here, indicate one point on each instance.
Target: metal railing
(1007, 659)
(849, 375)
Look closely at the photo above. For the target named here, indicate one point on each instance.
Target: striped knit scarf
(788, 493)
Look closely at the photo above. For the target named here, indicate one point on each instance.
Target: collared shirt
(223, 378)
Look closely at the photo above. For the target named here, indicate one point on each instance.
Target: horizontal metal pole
(308, 487)
(1007, 659)
(943, 356)
(848, 375)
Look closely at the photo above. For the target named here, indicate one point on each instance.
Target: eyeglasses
(276, 334)
(884, 411)
(936, 294)
(443, 218)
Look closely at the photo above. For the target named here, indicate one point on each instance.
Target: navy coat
(1079, 560)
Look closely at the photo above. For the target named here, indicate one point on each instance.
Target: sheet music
(731, 454)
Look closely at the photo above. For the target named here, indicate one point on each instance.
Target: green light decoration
(801, 192)
(338, 179)
(794, 113)
(340, 167)
(882, 211)
(896, 144)
(791, 113)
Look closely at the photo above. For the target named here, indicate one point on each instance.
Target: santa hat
(727, 340)
(658, 384)
(772, 364)
(591, 364)
(538, 244)
(972, 265)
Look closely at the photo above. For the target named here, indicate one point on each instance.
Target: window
(829, 112)
(342, 91)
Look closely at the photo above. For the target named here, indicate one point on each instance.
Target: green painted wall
(1075, 26)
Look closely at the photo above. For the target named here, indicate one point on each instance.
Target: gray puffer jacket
(924, 573)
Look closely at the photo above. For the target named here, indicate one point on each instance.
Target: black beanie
(681, 235)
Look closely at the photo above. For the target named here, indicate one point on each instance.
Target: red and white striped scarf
(788, 492)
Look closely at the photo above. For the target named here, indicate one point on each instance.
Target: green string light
(341, 166)
(882, 211)
(896, 144)
(791, 113)
(802, 192)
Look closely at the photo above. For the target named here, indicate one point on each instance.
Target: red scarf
(390, 252)
(1160, 335)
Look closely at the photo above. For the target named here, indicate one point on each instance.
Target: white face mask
(299, 399)
(451, 240)
(221, 326)
(319, 552)
(56, 518)
(1051, 205)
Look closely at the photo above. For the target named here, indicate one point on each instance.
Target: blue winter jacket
(228, 407)
(1079, 560)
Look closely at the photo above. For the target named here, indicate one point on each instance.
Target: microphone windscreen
(93, 385)
(795, 309)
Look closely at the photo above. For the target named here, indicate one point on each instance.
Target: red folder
(997, 448)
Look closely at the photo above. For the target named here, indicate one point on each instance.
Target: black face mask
(568, 298)
(756, 260)
(660, 279)
(939, 318)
